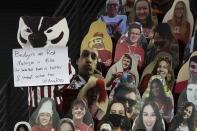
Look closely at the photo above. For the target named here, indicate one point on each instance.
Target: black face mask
(116, 119)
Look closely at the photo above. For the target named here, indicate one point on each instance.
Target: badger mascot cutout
(39, 31)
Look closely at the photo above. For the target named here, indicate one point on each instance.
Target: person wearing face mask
(162, 68)
(130, 97)
(45, 117)
(149, 118)
(184, 120)
(116, 114)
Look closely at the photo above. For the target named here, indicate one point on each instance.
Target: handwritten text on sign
(40, 66)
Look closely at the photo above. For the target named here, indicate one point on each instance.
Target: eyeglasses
(86, 54)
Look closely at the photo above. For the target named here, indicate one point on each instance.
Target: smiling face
(162, 69)
(134, 35)
(187, 112)
(126, 63)
(78, 111)
(44, 118)
(179, 10)
(149, 117)
(142, 10)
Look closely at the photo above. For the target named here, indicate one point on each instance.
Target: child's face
(44, 118)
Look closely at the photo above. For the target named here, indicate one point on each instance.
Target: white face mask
(192, 93)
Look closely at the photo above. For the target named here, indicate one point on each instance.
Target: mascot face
(41, 31)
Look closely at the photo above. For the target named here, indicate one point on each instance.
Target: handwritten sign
(40, 66)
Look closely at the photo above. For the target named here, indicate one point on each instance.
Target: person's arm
(113, 76)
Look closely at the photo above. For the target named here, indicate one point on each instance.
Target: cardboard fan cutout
(95, 94)
(184, 120)
(163, 59)
(145, 121)
(189, 17)
(190, 93)
(22, 126)
(158, 93)
(98, 38)
(182, 80)
(124, 70)
(123, 46)
(130, 96)
(149, 68)
(81, 116)
(42, 31)
(45, 116)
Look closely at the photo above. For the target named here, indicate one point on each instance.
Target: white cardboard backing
(40, 66)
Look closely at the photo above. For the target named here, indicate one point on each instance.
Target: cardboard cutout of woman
(130, 96)
(158, 93)
(22, 126)
(98, 38)
(181, 20)
(132, 43)
(149, 118)
(143, 14)
(116, 114)
(125, 69)
(162, 65)
(66, 124)
(190, 95)
(184, 120)
(45, 117)
(81, 116)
